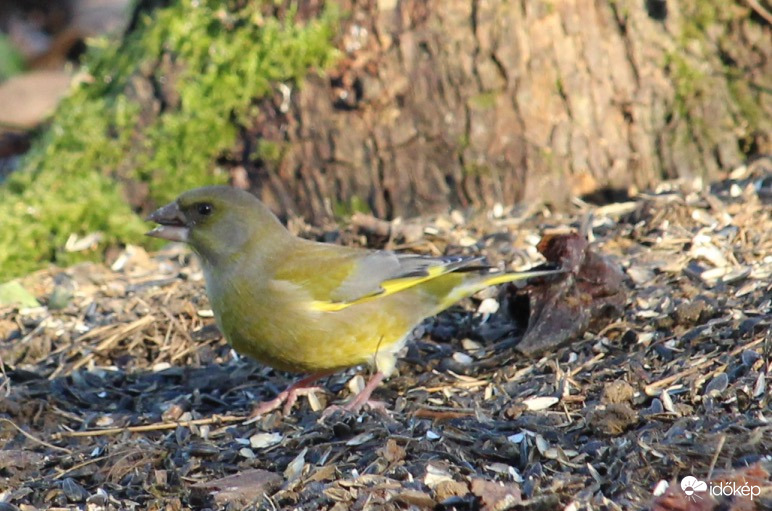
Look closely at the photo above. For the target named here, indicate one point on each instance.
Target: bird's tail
(478, 282)
(502, 278)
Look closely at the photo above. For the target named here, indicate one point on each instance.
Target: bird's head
(217, 221)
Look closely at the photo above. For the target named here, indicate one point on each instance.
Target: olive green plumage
(303, 306)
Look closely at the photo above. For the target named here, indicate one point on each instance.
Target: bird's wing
(336, 277)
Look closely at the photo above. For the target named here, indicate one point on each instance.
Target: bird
(304, 306)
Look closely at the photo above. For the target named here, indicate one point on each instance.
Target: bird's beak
(172, 222)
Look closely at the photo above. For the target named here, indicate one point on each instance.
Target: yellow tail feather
(472, 286)
(501, 278)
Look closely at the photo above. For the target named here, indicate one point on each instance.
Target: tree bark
(459, 103)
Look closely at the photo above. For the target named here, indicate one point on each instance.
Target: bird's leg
(290, 395)
(362, 398)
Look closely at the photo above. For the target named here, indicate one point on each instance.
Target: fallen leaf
(590, 293)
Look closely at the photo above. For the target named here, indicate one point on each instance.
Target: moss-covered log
(149, 117)
(406, 107)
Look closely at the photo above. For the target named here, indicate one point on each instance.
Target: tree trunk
(456, 103)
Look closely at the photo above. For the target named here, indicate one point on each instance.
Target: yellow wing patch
(388, 287)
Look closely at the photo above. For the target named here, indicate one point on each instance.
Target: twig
(760, 10)
(176, 323)
(424, 413)
(66, 415)
(35, 439)
(107, 343)
(653, 388)
(615, 326)
(6, 380)
(462, 384)
(83, 464)
(34, 331)
(721, 441)
(192, 349)
(150, 427)
(586, 364)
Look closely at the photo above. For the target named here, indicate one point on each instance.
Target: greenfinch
(308, 307)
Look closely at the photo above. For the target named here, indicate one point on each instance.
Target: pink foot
(289, 396)
(361, 399)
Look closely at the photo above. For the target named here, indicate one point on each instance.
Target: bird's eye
(204, 209)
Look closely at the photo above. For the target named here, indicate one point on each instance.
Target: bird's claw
(288, 397)
(361, 399)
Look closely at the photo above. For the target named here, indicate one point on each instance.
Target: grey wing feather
(378, 267)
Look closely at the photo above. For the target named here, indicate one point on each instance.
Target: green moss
(354, 205)
(39, 217)
(11, 62)
(463, 142)
(270, 152)
(692, 86)
(699, 15)
(747, 103)
(227, 63)
(107, 131)
(705, 25)
(688, 81)
(62, 191)
(483, 101)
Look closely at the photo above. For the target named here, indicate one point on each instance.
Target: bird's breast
(277, 326)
